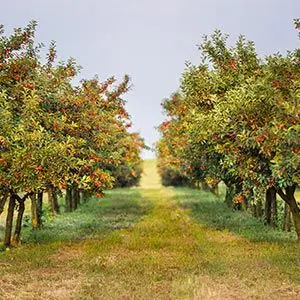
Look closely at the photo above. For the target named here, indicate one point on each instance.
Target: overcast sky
(150, 39)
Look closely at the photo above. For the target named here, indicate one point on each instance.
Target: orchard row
(236, 118)
(55, 135)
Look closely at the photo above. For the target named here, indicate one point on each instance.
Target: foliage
(54, 134)
(236, 118)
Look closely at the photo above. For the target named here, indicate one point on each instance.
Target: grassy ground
(153, 243)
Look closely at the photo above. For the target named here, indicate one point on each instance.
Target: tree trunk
(215, 189)
(74, 197)
(248, 202)
(289, 198)
(230, 193)
(204, 186)
(55, 202)
(39, 207)
(258, 211)
(18, 228)
(294, 209)
(286, 226)
(78, 196)
(233, 189)
(69, 205)
(238, 190)
(3, 199)
(274, 213)
(9, 221)
(52, 198)
(86, 195)
(195, 184)
(296, 217)
(34, 213)
(271, 207)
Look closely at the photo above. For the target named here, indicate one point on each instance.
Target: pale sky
(150, 40)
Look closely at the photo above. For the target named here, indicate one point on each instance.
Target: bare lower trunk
(274, 218)
(50, 200)
(233, 190)
(9, 221)
(258, 209)
(204, 186)
(296, 217)
(34, 222)
(40, 207)
(55, 202)
(75, 197)
(78, 196)
(294, 210)
(289, 198)
(36, 210)
(34, 214)
(86, 195)
(17, 234)
(286, 226)
(230, 193)
(52, 197)
(271, 207)
(69, 206)
(215, 190)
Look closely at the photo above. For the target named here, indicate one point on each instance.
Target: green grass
(277, 249)
(97, 217)
(119, 209)
(208, 209)
(152, 243)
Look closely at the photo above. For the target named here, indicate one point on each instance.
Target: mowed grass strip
(153, 243)
(46, 256)
(169, 255)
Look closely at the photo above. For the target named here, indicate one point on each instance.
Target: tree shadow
(210, 210)
(119, 209)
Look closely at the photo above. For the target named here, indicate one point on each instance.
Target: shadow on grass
(279, 248)
(120, 208)
(213, 212)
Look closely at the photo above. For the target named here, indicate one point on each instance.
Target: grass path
(165, 255)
